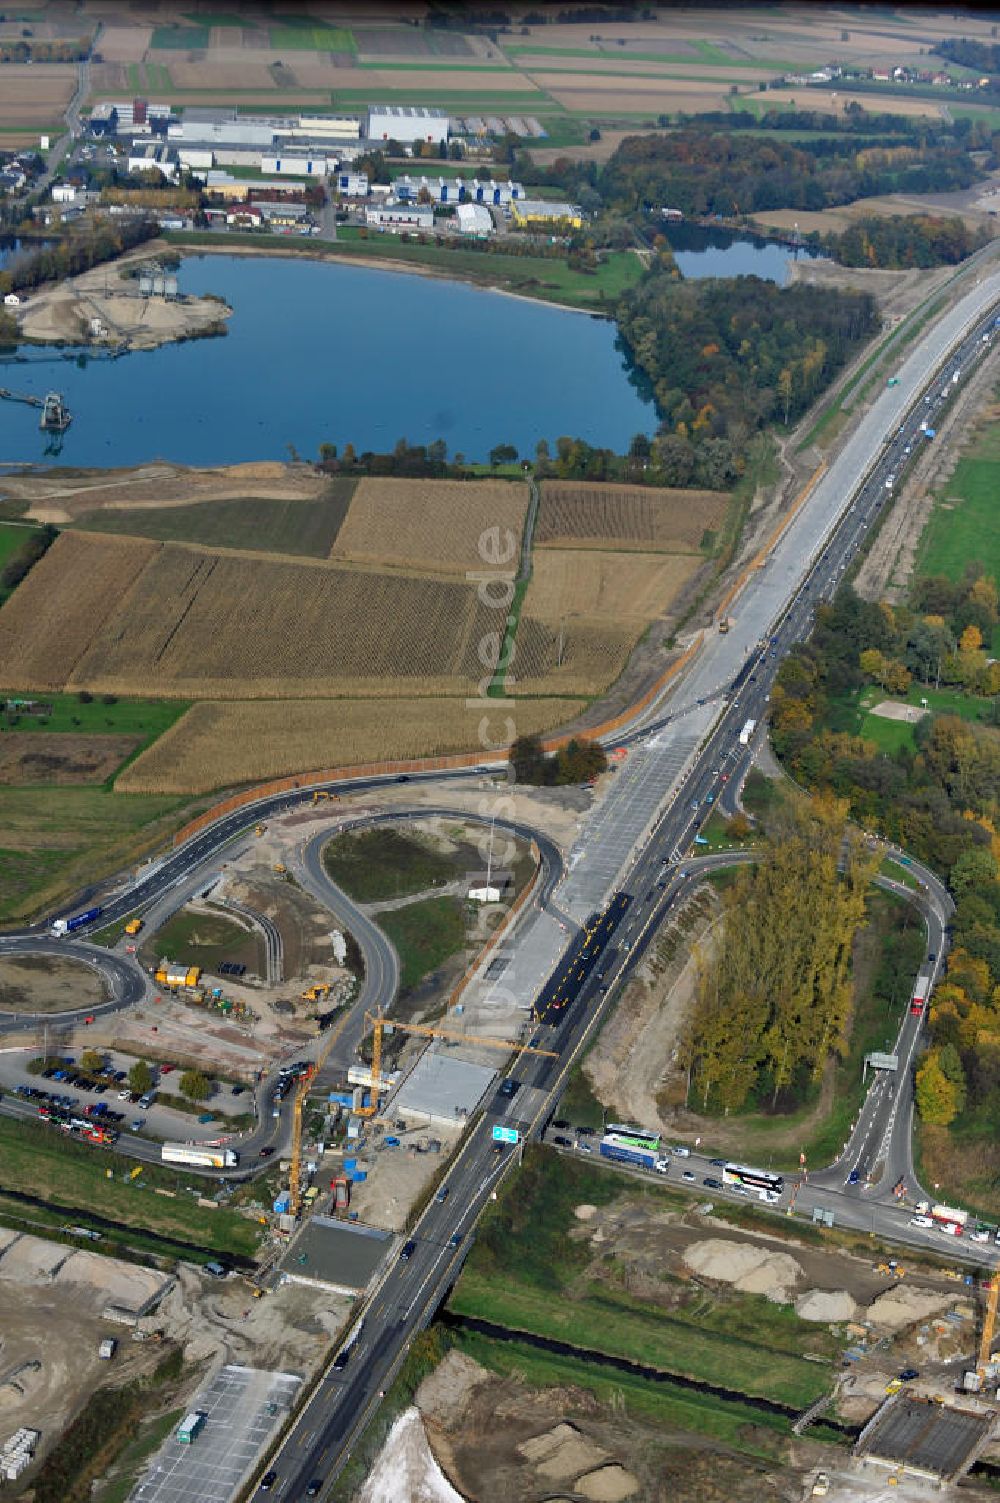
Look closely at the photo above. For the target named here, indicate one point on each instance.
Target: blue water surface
(319, 352)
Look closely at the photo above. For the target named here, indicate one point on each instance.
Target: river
(322, 352)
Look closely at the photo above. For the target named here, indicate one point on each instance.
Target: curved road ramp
(924, 1439)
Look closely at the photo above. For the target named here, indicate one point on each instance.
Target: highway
(665, 790)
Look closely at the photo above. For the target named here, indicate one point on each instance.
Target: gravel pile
(826, 1305)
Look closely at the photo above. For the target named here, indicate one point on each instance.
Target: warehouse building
(298, 163)
(153, 157)
(474, 219)
(407, 123)
(400, 217)
(540, 213)
(352, 184)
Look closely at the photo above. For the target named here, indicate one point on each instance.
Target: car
(442, 1195)
(711, 1183)
(586, 1132)
(691, 1178)
(266, 1153)
(313, 1490)
(583, 1146)
(924, 1221)
(509, 1087)
(854, 1176)
(135, 1126)
(167, 1069)
(124, 1095)
(932, 956)
(454, 1239)
(718, 1163)
(981, 1234)
(409, 1248)
(267, 1481)
(908, 1374)
(562, 1142)
(238, 1090)
(146, 1101)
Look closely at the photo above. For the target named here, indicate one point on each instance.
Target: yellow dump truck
(133, 926)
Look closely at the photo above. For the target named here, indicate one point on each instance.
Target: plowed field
(583, 514)
(433, 524)
(217, 745)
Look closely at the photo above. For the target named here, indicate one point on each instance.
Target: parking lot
(244, 1407)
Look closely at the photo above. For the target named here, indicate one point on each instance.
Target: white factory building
(153, 156)
(351, 184)
(407, 123)
(297, 163)
(400, 217)
(474, 219)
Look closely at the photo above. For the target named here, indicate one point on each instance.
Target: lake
(321, 352)
(702, 251)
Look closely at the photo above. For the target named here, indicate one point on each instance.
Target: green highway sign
(506, 1134)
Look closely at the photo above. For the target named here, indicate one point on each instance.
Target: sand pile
(562, 1452)
(608, 1484)
(751, 1269)
(902, 1306)
(826, 1305)
(585, 1213)
(406, 1468)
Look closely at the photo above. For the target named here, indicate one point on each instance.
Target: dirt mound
(752, 1269)
(901, 1306)
(584, 1213)
(562, 1453)
(608, 1484)
(826, 1305)
(444, 1393)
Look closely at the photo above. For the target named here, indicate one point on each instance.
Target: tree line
(579, 761)
(897, 242)
(774, 996)
(75, 252)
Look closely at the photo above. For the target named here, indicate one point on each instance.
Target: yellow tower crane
(989, 1325)
(382, 1025)
(298, 1106)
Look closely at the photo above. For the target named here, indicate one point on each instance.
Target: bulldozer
(321, 793)
(280, 868)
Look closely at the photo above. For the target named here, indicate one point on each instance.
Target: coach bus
(768, 1186)
(634, 1137)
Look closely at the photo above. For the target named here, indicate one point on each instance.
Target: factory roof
(409, 111)
(443, 1088)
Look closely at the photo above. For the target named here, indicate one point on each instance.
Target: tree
(503, 454)
(91, 1062)
(140, 1078)
(195, 1086)
(937, 1098)
(528, 760)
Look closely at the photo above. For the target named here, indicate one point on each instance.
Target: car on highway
(265, 1153)
(982, 1234)
(454, 1239)
(712, 1183)
(509, 1087)
(408, 1249)
(924, 1221)
(679, 1151)
(313, 1490)
(267, 1481)
(854, 1176)
(442, 1195)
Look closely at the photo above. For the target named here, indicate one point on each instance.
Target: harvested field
(48, 623)
(470, 81)
(252, 523)
(835, 102)
(614, 97)
(124, 44)
(578, 657)
(35, 91)
(35, 757)
(121, 616)
(210, 75)
(613, 587)
(216, 745)
(431, 524)
(590, 515)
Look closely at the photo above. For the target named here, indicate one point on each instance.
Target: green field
(13, 537)
(852, 713)
(39, 1161)
(965, 524)
(300, 34)
(385, 863)
(253, 523)
(527, 1273)
(425, 935)
(147, 718)
(181, 38)
(205, 940)
(55, 841)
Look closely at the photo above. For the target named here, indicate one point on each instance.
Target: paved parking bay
(244, 1408)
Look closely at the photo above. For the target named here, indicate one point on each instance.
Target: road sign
(505, 1134)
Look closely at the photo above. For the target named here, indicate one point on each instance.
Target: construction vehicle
(317, 993)
(724, 624)
(321, 793)
(175, 976)
(259, 829)
(133, 926)
(987, 1363)
(280, 868)
(382, 1025)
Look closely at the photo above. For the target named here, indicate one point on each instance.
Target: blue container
(391, 1142)
(350, 1163)
(282, 1203)
(359, 1176)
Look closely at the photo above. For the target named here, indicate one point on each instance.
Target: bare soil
(37, 757)
(47, 984)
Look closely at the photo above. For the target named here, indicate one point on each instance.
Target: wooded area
(774, 994)
(896, 242)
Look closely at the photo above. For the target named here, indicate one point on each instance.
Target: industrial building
(474, 219)
(407, 123)
(153, 157)
(540, 213)
(400, 217)
(351, 184)
(455, 190)
(298, 163)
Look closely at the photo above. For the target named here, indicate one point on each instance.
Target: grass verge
(373, 865)
(425, 935)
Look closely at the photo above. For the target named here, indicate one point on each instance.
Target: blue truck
(69, 926)
(642, 1157)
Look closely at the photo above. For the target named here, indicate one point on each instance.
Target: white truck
(747, 732)
(200, 1158)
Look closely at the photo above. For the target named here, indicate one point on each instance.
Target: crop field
(35, 757)
(301, 33)
(255, 523)
(221, 744)
(579, 656)
(123, 616)
(581, 514)
(35, 93)
(47, 623)
(431, 524)
(611, 587)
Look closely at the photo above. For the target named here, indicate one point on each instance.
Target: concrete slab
(244, 1407)
(338, 1255)
(924, 1437)
(442, 1088)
